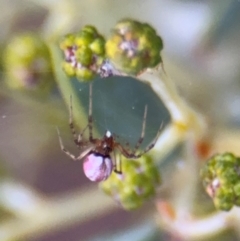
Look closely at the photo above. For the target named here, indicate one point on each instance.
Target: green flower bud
(83, 39)
(221, 179)
(136, 184)
(98, 46)
(84, 74)
(68, 68)
(84, 53)
(90, 30)
(67, 42)
(27, 63)
(133, 47)
(224, 199)
(236, 189)
(84, 56)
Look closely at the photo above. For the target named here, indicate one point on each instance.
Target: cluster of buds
(131, 48)
(27, 63)
(136, 184)
(84, 53)
(221, 179)
(134, 46)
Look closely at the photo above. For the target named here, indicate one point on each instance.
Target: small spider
(100, 154)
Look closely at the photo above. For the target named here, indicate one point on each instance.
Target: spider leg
(151, 145)
(140, 140)
(125, 152)
(132, 155)
(90, 119)
(63, 148)
(80, 136)
(115, 164)
(75, 138)
(126, 144)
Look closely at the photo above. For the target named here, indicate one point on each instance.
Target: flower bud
(84, 53)
(133, 47)
(221, 179)
(136, 184)
(27, 63)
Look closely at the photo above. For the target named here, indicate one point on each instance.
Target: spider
(99, 155)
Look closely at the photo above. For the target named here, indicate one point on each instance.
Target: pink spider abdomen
(97, 168)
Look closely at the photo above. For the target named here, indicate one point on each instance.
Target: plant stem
(43, 215)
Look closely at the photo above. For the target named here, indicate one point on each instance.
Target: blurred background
(202, 56)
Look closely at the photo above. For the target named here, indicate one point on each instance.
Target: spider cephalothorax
(105, 145)
(99, 155)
